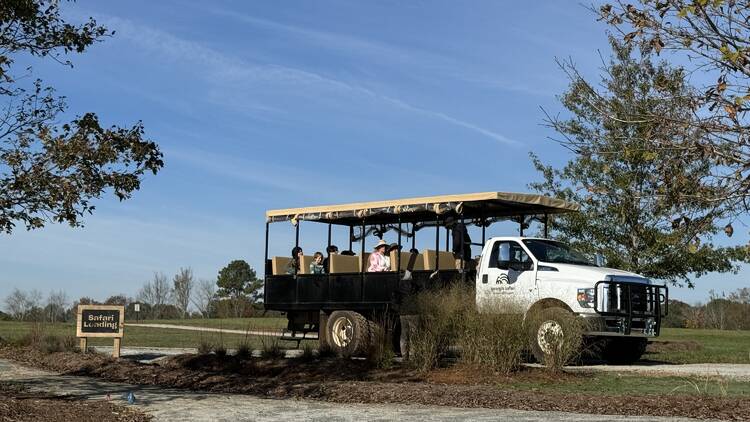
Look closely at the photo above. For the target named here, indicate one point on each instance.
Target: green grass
(147, 337)
(227, 323)
(717, 346)
(619, 384)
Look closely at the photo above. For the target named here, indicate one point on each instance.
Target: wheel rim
(549, 336)
(342, 332)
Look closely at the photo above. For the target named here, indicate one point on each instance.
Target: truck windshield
(551, 251)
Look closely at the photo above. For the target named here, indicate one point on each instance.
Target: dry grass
(493, 338)
(380, 350)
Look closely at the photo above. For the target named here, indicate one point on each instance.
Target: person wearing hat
(377, 262)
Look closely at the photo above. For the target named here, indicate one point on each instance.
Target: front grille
(630, 300)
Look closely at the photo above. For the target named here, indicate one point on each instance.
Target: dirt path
(171, 404)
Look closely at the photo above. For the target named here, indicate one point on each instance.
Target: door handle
(485, 280)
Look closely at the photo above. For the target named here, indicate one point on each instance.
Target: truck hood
(594, 274)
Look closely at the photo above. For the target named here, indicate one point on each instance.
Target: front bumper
(600, 326)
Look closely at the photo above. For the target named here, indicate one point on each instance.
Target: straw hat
(381, 243)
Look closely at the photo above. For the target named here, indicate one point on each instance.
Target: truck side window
(506, 251)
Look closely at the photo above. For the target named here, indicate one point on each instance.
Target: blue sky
(261, 105)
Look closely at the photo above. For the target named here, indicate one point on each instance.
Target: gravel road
(169, 404)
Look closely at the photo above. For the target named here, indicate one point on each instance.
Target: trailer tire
(624, 350)
(348, 333)
(557, 321)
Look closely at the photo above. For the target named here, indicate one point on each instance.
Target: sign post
(101, 321)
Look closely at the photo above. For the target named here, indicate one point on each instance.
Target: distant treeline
(721, 312)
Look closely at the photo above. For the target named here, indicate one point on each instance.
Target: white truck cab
(537, 274)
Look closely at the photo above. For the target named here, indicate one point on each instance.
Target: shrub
(494, 338)
(50, 344)
(220, 349)
(380, 350)
(244, 351)
(307, 352)
(270, 347)
(205, 346)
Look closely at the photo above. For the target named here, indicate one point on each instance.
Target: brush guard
(628, 300)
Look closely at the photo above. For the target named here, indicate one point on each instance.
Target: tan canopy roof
(470, 205)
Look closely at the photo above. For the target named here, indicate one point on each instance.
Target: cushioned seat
(365, 262)
(447, 261)
(305, 262)
(279, 264)
(405, 256)
(343, 264)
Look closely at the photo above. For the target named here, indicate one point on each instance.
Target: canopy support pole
(351, 236)
(484, 227)
(520, 226)
(447, 239)
(463, 245)
(437, 242)
(413, 235)
(398, 251)
(296, 235)
(265, 262)
(362, 247)
(329, 237)
(546, 226)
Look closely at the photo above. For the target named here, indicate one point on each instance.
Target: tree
(236, 281)
(157, 294)
(204, 294)
(57, 303)
(51, 172)
(714, 35)
(635, 200)
(183, 286)
(22, 305)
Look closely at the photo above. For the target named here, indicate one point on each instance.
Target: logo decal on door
(502, 278)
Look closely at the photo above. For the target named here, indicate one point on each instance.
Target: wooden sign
(101, 321)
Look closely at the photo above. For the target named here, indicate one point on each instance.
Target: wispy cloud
(230, 71)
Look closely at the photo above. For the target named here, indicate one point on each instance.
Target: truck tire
(624, 350)
(349, 333)
(548, 322)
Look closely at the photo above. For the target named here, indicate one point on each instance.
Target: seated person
(348, 253)
(377, 258)
(333, 249)
(316, 267)
(293, 266)
(392, 247)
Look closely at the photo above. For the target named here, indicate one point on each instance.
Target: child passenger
(316, 267)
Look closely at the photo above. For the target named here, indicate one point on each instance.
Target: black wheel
(349, 333)
(624, 350)
(553, 330)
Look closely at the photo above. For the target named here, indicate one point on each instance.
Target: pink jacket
(377, 263)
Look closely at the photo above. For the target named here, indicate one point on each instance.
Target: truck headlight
(585, 298)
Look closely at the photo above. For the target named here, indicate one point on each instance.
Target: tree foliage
(715, 37)
(641, 205)
(51, 171)
(238, 282)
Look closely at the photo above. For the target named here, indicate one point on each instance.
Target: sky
(264, 105)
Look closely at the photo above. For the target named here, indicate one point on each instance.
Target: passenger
(459, 234)
(377, 258)
(333, 249)
(316, 267)
(348, 253)
(293, 266)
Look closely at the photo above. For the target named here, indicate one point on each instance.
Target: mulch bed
(352, 381)
(19, 405)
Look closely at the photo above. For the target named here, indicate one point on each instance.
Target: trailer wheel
(553, 328)
(624, 350)
(349, 333)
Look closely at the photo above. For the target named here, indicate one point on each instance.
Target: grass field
(716, 346)
(160, 337)
(707, 346)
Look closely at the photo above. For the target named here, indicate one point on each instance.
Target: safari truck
(546, 277)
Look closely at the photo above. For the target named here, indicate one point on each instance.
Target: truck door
(508, 276)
